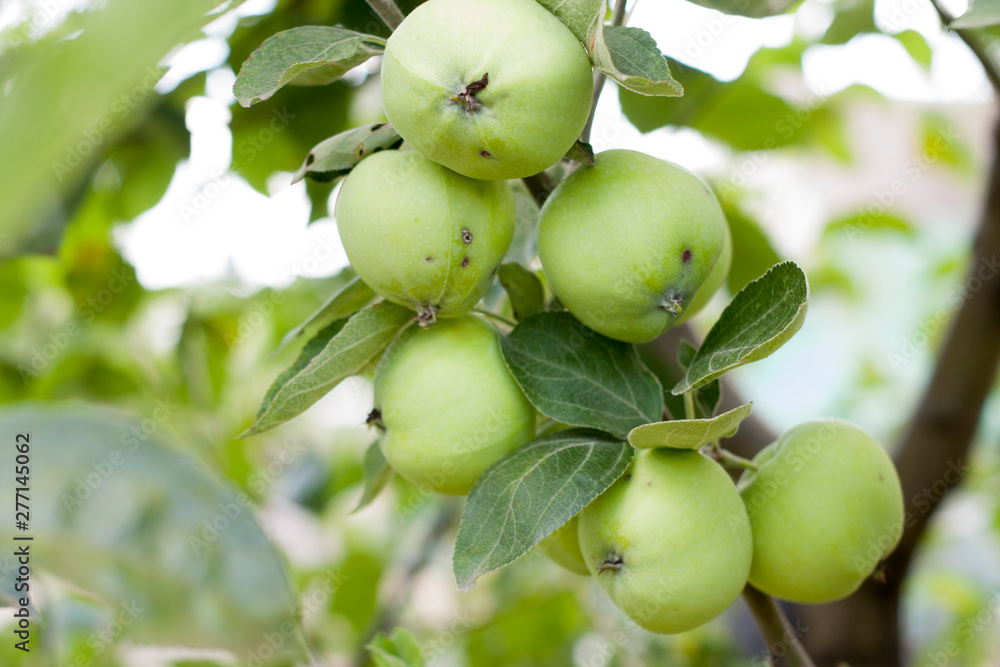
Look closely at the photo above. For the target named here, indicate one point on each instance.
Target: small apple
(421, 235)
(493, 89)
(633, 244)
(563, 547)
(825, 506)
(669, 541)
(448, 405)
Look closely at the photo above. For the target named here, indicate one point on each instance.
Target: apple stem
(498, 318)
(468, 96)
(617, 18)
(388, 11)
(730, 460)
(540, 186)
(783, 643)
(612, 562)
(689, 405)
(426, 315)
(375, 419)
(673, 303)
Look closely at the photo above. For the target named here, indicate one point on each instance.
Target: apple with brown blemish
(422, 235)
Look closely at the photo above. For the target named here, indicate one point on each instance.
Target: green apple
(825, 506)
(716, 279)
(669, 541)
(563, 547)
(448, 405)
(421, 235)
(633, 244)
(493, 89)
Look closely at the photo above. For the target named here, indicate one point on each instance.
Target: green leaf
(916, 46)
(755, 9)
(855, 226)
(631, 57)
(627, 55)
(759, 320)
(581, 152)
(351, 298)
(119, 512)
(399, 650)
(337, 352)
(530, 493)
(689, 433)
(377, 474)
(709, 106)
(333, 158)
(582, 17)
(853, 18)
(308, 55)
(579, 377)
(981, 13)
(524, 289)
(706, 398)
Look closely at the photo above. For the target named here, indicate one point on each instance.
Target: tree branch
(540, 186)
(617, 18)
(783, 644)
(661, 357)
(977, 49)
(402, 583)
(931, 455)
(388, 11)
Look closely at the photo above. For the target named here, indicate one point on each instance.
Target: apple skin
(563, 547)
(448, 405)
(537, 94)
(630, 244)
(825, 506)
(716, 279)
(421, 235)
(669, 541)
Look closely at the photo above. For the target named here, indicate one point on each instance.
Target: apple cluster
(674, 542)
(488, 91)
